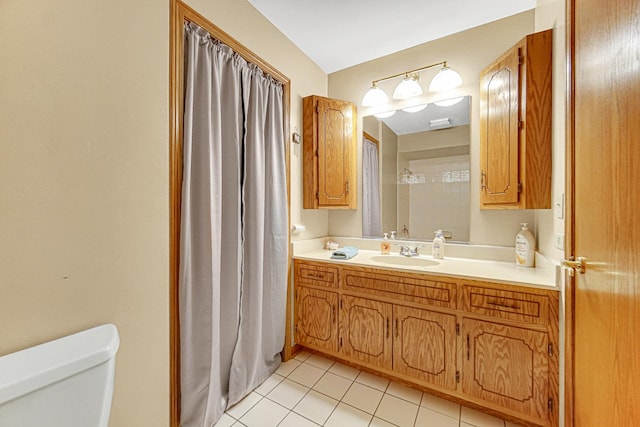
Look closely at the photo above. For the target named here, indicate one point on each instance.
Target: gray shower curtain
(371, 215)
(233, 244)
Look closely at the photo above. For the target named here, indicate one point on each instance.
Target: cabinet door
(335, 150)
(499, 121)
(316, 323)
(506, 365)
(424, 347)
(365, 330)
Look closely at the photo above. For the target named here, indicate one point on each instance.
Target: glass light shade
(408, 88)
(415, 108)
(448, 102)
(385, 114)
(374, 97)
(446, 79)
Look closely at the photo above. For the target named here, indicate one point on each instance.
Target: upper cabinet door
(515, 126)
(499, 130)
(329, 146)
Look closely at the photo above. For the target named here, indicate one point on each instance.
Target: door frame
(569, 225)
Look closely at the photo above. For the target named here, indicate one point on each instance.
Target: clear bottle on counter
(438, 245)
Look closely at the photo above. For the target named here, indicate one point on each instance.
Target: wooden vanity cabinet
(515, 126)
(479, 343)
(329, 153)
(424, 346)
(510, 351)
(365, 330)
(316, 319)
(506, 365)
(316, 305)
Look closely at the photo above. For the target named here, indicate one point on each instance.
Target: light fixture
(449, 102)
(374, 97)
(415, 108)
(384, 114)
(446, 79)
(408, 87)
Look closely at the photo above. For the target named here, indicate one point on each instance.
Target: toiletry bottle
(385, 246)
(393, 235)
(525, 247)
(438, 245)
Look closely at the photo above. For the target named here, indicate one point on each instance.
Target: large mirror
(415, 172)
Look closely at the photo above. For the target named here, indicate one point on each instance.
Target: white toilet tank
(67, 382)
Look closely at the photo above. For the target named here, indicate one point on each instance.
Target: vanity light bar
(407, 73)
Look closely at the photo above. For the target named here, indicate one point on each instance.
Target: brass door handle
(579, 265)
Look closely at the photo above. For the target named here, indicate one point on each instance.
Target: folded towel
(347, 252)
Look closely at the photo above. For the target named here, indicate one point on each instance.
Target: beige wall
(468, 53)
(83, 183)
(84, 176)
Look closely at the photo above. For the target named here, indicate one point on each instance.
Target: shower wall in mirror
(422, 172)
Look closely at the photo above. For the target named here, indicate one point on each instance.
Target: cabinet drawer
(520, 306)
(316, 274)
(404, 287)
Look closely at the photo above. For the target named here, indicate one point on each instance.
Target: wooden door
(506, 365)
(499, 119)
(365, 330)
(335, 148)
(603, 358)
(424, 346)
(316, 324)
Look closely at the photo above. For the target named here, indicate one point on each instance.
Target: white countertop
(543, 276)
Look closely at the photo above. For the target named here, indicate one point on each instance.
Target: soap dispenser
(525, 247)
(385, 246)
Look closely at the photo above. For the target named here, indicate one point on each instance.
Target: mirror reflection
(415, 172)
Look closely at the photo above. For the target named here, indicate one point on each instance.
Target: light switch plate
(559, 241)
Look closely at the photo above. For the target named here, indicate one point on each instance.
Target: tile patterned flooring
(311, 391)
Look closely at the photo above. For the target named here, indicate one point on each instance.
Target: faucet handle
(414, 251)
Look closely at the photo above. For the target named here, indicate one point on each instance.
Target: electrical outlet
(560, 241)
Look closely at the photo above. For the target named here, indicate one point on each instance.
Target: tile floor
(311, 391)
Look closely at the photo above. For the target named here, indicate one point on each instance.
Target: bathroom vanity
(483, 333)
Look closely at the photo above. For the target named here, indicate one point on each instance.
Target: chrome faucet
(407, 251)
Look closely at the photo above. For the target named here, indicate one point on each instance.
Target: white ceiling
(337, 34)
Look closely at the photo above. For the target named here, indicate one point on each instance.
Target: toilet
(67, 382)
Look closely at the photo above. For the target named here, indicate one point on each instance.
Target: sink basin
(403, 260)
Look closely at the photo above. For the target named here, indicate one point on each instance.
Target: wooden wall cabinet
(479, 343)
(515, 126)
(329, 153)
